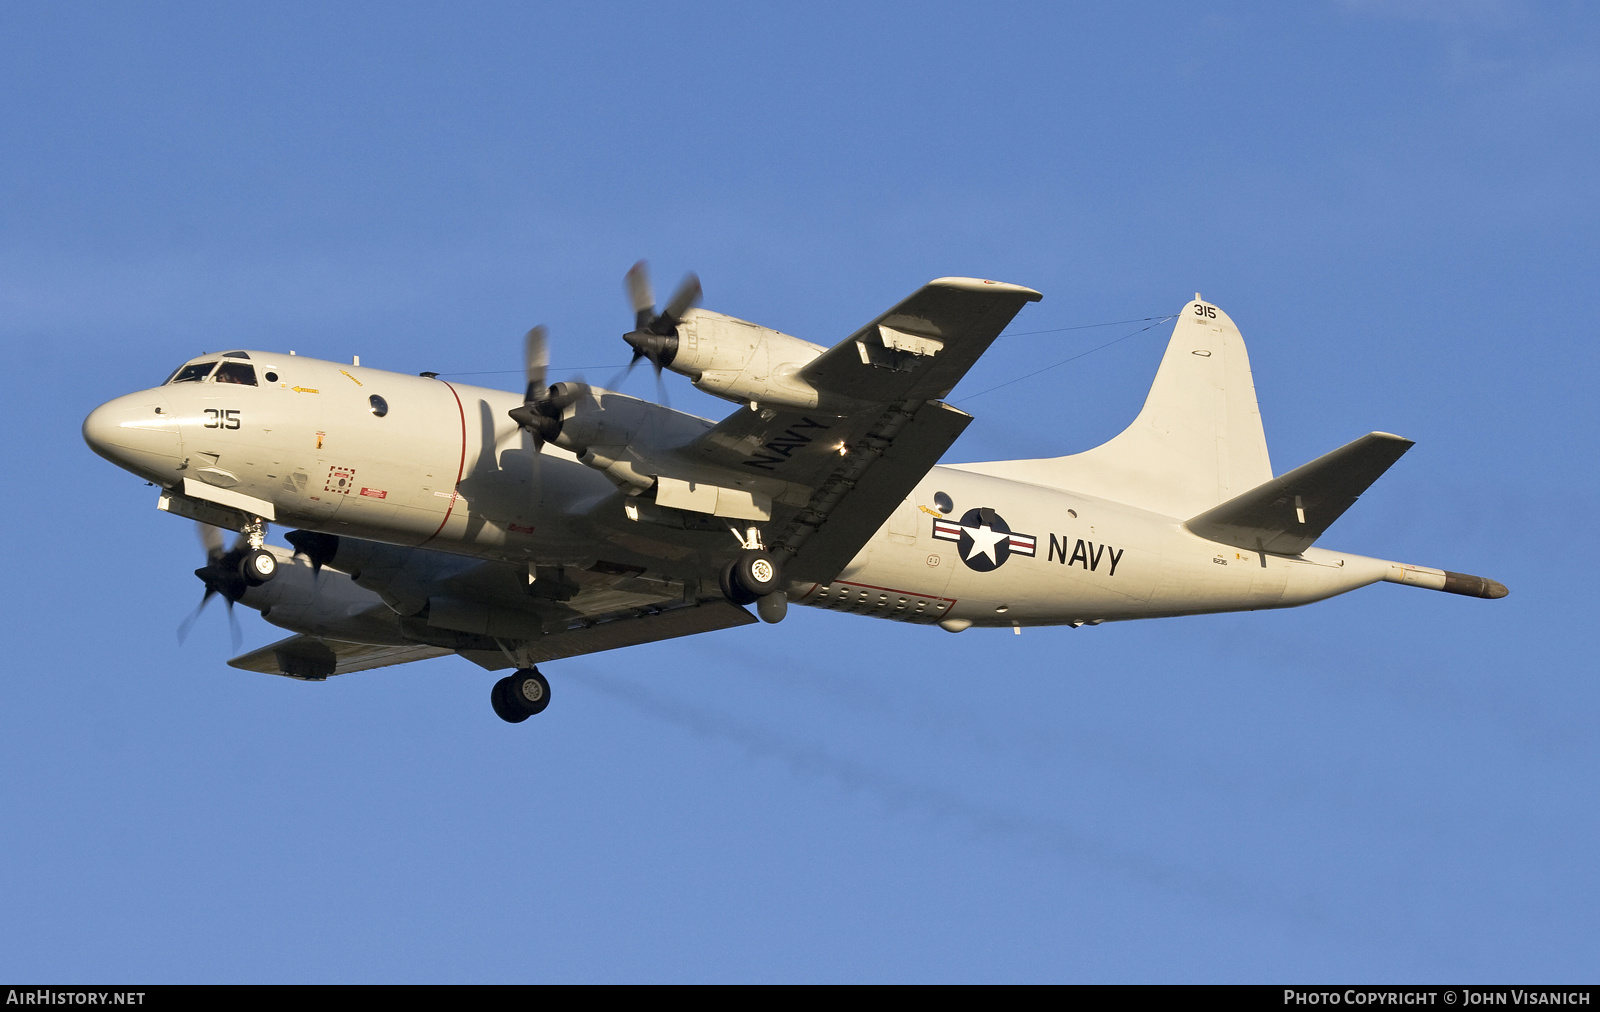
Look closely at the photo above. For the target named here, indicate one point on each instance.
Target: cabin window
(192, 373)
(235, 372)
(942, 502)
(380, 407)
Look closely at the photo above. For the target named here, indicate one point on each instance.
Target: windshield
(193, 373)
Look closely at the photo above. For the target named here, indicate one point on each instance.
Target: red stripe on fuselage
(461, 468)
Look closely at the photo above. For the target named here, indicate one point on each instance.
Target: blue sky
(1394, 201)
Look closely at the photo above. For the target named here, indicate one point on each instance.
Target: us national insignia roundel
(985, 540)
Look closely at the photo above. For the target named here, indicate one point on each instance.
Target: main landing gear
(754, 578)
(519, 696)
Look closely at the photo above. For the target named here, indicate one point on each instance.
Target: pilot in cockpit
(235, 372)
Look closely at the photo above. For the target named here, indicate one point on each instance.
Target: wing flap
(625, 631)
(1286, 515)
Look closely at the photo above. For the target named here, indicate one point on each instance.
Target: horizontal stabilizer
(1286, 515)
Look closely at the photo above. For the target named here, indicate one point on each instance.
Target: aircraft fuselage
(423, 462)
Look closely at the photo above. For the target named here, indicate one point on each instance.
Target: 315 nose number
(222, 418)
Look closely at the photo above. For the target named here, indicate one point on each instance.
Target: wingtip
(1390, 436)
(981, 285)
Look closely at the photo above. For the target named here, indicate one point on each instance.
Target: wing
(834, 479)
(922, 347)
(311, 659)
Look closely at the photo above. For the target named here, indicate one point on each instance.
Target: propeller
(655, 335)
(221, 576)
(541, 407)
(319, 549)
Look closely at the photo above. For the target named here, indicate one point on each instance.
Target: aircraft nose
(138, 432)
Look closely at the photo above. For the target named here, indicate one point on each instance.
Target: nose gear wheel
(258, 566)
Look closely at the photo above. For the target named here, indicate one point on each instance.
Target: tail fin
(1197, 442)
(1286, 515)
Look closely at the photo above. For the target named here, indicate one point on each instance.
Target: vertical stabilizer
(1197, 442)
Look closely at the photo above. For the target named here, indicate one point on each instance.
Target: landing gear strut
(517, 697)
(258, 565)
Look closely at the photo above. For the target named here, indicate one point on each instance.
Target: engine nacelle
(743, 362)
(327, 604)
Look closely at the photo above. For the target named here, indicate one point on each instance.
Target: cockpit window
(235, 354)
(192, 373)
(235, 372)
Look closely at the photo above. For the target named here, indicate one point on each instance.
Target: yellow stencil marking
(352, 379)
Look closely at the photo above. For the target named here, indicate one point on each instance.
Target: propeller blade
(210, 539)
(640, 297)
(220, 576)
(661, 389)
(538, 359)
(615, 383)
(188, 623)
(234, 632)
(320, 549)
(537, 464)
(685, 298)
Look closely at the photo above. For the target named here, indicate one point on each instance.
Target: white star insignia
(984, 539)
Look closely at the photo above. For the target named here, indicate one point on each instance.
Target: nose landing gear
(517, 697)
(258, 565)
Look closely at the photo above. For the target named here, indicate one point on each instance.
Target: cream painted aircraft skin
(436, 517)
